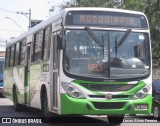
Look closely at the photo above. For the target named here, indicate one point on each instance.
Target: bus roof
(60, 14)
(102, 9)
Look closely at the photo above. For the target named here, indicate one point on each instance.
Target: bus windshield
(118, 58)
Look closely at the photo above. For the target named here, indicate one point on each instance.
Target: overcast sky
(13, 24)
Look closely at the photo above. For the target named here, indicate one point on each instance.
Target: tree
(88, 3)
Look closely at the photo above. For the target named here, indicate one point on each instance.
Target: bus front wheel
(115, 119)
(156, 111)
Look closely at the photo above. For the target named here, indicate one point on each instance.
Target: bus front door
(54, 73)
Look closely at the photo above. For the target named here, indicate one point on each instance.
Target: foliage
(149, 7)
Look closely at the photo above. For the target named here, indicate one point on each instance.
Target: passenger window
(37, 46)
(12, 55)
(22, 52)
(17, 54)
(46, 42)
(7, 57)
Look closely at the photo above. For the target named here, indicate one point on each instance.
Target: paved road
(6, 110)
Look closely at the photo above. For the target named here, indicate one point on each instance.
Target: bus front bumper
(71, 105)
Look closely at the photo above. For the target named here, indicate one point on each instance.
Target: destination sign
(107, 19)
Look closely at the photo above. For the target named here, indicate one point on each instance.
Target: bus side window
(17, 54)
(7, 61)
(46, 43)
(22, 51)
(12, 55)
(37, 49)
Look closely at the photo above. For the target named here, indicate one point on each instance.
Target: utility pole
(25, 14)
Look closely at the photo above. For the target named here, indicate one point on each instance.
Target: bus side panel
(8, 84)
(14, 76)
(18, 80)
(35, 85)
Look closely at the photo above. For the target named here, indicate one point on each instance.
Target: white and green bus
(87, 61)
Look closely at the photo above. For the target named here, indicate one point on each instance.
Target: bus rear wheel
(115, 119)
(15, 100)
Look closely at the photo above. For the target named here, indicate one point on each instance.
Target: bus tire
(115, 119)
(15, 100)
(156, 111)
(44, 104)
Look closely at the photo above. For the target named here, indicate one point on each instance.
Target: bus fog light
(141, 106)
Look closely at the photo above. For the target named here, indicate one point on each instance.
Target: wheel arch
(43, 91)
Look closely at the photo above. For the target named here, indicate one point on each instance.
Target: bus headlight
(72, 91)
(142, 93)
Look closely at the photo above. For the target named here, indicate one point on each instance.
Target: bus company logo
(108, 96)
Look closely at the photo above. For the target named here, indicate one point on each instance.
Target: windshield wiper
(94, 36)
(121, 41)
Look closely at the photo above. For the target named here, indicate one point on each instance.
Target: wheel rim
(156, 112)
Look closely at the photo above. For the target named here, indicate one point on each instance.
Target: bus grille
(108, 105)
(113, 96)
(109, 87)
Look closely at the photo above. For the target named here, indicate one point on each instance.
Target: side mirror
(59, 42)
